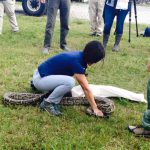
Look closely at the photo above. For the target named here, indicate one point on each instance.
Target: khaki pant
(9, 7)
(95, 14)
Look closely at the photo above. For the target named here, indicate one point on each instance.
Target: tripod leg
(129, 40)
(135, 11)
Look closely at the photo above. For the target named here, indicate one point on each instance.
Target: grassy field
(27, 128)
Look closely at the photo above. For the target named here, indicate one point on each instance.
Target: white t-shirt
(121, 4)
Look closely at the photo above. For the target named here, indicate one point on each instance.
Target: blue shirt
(66, 63)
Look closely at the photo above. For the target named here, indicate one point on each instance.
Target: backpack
(147, 32)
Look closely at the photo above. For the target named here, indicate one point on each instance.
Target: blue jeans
(109, 15)
(64, 8)
(60, 84)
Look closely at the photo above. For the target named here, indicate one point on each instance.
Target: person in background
(112, 8)
(144, 129)
(96, 19)
(52, 8)
(9, 7)
(58, 74)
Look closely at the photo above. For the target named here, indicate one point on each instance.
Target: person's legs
(1, 16)
(144, 129)
(146, 120)
(148, 95)
(121, 15)
(9, 7)
(53, 6)
(60, 85)
(100, 6)
(146, 116)
(64, 22)
(92, 16)
(109, 15)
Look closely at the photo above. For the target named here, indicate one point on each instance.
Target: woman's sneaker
(51, 108)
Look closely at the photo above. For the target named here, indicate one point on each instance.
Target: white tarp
(109, 91)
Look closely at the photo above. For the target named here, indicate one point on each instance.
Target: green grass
(27, 128)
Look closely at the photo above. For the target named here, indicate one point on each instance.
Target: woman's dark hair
(93, 52)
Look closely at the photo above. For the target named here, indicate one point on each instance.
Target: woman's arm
(88, 93)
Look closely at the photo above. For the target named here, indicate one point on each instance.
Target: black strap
(115, 3)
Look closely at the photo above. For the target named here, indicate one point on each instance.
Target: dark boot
(105, 40)
(117, 41)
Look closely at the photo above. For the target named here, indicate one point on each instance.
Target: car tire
(33, 7)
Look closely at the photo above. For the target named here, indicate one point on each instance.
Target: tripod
(135, 12)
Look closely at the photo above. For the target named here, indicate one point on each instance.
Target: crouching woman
(59, 72)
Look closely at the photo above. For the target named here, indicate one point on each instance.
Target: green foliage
(27, 128)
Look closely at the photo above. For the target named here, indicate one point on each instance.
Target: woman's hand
(88, 93)
(98, 112)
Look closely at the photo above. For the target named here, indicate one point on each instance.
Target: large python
(106, 105)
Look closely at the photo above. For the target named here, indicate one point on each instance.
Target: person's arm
(88, 93)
